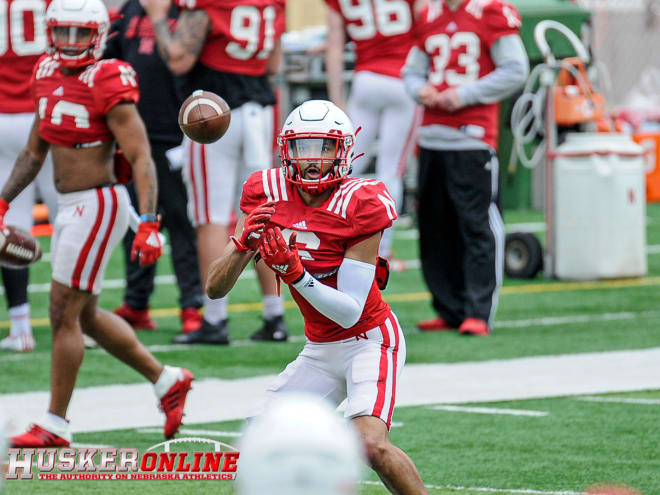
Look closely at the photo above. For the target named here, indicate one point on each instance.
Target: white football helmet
(77, 31)
(317, 130)
(299, 446)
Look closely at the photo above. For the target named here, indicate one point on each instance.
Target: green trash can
(516, 190)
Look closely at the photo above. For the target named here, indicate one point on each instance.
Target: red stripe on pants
(104, 244)
(382, 375)
(194, 182)
(206, 185)
(84, 253)
(395, 351)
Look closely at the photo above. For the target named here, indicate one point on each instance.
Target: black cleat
(208, 334)
(274, 330)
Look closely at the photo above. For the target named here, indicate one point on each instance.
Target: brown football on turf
(204, 117)
(18, 248)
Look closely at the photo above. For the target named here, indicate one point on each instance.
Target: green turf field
(575, 444)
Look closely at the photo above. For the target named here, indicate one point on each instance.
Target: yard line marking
(468, 383)
(396, 424)
(192, 431)
(621, 400)
(525, 491)
(245, 307)
(569, 319)
(491, 410)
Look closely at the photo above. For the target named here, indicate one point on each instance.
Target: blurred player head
(77, 31)
(316, 144)
(299, 446)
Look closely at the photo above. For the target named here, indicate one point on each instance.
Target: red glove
(147, 244)
(253, 227)
(123, 168)
(4, 206)
(282, 258)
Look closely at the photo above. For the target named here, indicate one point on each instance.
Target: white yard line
(570, 319)
(491, 410)
(486, 489)
(622, 400)
(214, 400)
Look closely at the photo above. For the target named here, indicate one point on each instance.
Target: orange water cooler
(651, 144)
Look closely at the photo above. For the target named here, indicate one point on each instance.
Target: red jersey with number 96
(22, 42)
(381, 31)
(243, 33)
(458, 43)
(72, 108)
(358, 209)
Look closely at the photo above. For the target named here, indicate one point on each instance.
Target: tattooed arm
(27, 164)
(131, 135)
(179, 50)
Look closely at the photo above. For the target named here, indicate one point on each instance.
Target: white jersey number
(387, 17)
(78, 112)
(245, 26)
(308, 239)
(469, 60)
(12, 27)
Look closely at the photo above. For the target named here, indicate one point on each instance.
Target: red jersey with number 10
(72, 108)
(243, 33)
(358, 209)
(22, 42)
(381, 31)
(458, 43)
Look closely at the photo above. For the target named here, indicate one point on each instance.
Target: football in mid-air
(204, 117)
(18, 248)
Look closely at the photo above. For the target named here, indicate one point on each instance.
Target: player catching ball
(319, 231)
(84, 105)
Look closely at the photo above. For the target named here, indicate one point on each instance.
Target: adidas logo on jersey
(300, 225)
(451, 27)
(59, 91)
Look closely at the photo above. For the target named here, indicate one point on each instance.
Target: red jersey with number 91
(358, 209)
(243, 33)
(381, 31)
(22, 42)
(458, 43)
(72, 108)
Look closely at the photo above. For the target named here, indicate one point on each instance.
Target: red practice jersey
(243, 33)
(357, 209)
(73, 108)
(458, 42)
(381, 30)
(22, 42)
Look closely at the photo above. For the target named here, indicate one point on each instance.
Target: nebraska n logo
(80, 209)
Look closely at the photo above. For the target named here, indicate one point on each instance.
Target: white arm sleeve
(343, 305)
(414, 72)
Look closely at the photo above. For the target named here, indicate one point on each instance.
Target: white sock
(215, 310)
(167, 378)
(56, 424)
(273, 306)
(20, 320)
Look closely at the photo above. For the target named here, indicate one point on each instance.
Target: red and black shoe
(173, 401)
(474, 326)
(139, 319)
(38, 437)
(435, 325)
(191, 320)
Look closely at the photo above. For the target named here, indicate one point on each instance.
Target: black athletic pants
(461, 232)
(181, 237)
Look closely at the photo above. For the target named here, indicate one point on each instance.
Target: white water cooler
(598, 213)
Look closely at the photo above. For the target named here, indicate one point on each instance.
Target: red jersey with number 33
(458, 43)
(381, 31)
(358, 209)
(73, 108)
(243, 33)
(22, 42)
